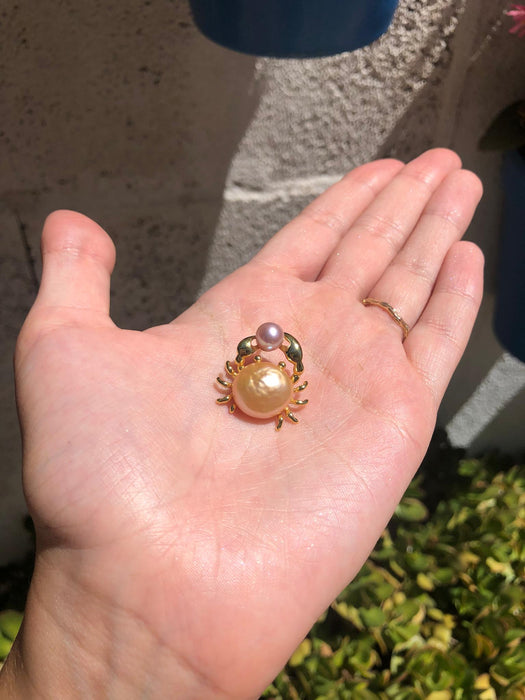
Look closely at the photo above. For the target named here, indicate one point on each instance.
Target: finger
(408, 281)
(381, 230)
(437, 341)
(77, 260)
(303, 246)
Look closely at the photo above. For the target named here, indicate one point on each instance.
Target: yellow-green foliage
(10, 621)
(437, 612)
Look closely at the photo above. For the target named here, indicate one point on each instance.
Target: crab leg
(224, 399)
(299, 402)
(302, 387)
(230, 369)
(223, 382)
(290, 415)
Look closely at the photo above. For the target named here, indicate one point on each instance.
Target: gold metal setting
(394, 313)
(247, 356)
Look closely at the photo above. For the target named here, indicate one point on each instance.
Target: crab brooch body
(258, 387)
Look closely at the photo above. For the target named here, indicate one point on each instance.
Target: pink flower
(518, 14)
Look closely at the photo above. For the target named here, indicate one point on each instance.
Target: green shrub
(437, 612)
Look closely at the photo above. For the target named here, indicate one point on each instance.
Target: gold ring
(259, 388)
(394, 313)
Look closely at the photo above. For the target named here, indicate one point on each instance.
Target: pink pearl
(269, 336)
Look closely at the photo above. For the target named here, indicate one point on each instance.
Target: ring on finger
(394, 313)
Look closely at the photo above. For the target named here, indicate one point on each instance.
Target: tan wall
(192, 156)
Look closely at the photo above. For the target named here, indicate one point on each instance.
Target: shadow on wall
(124, 112)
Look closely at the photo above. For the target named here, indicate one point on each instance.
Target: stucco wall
(192, 156)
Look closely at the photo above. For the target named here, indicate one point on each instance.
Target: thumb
(77, 260)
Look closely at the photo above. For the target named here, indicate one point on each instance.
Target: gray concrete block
(192, 156)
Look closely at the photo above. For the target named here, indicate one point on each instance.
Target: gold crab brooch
(256, 386)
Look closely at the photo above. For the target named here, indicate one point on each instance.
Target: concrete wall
(192, 156)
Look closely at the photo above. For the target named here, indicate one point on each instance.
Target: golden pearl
(262, 390)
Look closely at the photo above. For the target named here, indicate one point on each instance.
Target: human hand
(182, 551)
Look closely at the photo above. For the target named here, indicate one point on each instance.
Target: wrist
(75, 644)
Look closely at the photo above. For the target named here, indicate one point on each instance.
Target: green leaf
(303, 650)
(348, 612)
(372, 617)
(412, 510)
(10, 621)
(5, 647)
(425, 582)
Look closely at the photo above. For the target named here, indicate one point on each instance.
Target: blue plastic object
(509, 317)
(293, 28)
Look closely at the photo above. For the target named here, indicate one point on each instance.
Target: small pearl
(269, 336)
(262, 390)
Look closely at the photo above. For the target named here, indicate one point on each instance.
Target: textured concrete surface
(192, 156)
(504, 382)
(16, 288)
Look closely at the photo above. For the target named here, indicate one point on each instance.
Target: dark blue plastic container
(509, 318)
(293, 28)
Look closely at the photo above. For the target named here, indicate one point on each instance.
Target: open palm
(205, 544)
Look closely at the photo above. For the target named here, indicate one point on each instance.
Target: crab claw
(294, 353)
(245, 349)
